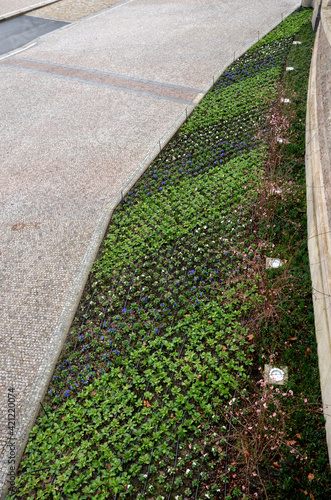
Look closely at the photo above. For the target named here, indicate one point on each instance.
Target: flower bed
(155, 392)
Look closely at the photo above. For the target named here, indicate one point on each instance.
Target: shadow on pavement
(19, 31)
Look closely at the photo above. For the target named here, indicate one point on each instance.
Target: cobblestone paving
(70, 144)
(73, 10)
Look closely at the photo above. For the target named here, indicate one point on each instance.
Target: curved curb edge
(31, 408)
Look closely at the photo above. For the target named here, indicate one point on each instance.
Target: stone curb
(27, 9)
(326, 21)
(30, 410)
(319, 240)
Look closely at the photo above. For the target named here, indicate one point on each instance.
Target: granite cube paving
(10, 8)
(73, 10)
(81, 112)
(20, 30)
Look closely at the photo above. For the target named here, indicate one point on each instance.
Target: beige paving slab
(80, 111)
(73, 10)
(10, 8)
(173, 41)
(72, 161)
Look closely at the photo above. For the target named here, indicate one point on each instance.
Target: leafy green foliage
(162, 339)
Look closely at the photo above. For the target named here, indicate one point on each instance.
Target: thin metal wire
(35, 470)
(44, 409)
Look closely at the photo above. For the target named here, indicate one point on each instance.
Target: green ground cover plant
(159, 391)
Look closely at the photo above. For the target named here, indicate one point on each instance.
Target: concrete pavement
(73, 10)
(20, 30)
(10, 8)
(83, 112)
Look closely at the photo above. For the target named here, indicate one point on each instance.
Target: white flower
(187, 471)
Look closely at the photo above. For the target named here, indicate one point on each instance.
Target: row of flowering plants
(152, 397)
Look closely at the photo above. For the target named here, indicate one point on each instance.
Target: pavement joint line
(151, 82)
(11, 54)
(26, 419)
(90, 82)
(37, 39)
(27, 9)
(94, 14)
(89, 16)
(31, 407)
